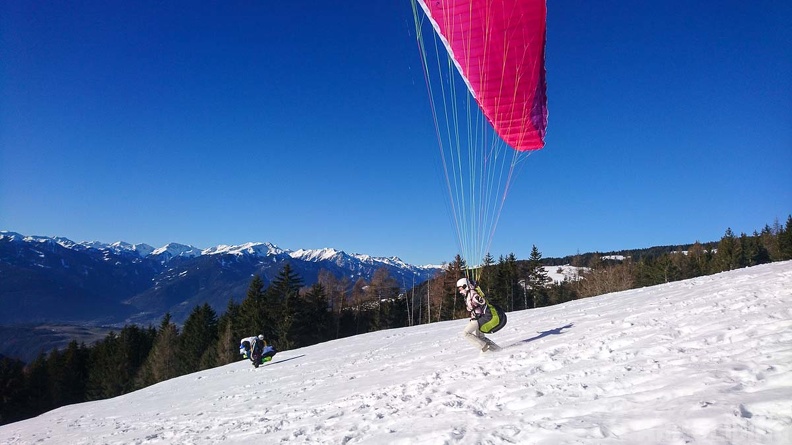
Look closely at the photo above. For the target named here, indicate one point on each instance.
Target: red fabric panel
(499, 47)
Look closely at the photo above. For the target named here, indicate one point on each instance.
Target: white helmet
(261, 337)
(463, 283)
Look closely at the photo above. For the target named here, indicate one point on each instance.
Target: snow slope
(702, 361)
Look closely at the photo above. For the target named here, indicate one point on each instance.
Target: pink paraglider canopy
(498, 47)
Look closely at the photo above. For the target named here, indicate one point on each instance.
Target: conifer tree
(12, 390)
(769, 241)
(452, 304)
(68, 374)
(54, 377)
(104, 377)
(36, 391)
(696, 261)
(229, 336)
(316, 321)
(785, 240)
(487, 277)
(358, 296)
(282, 306)
(162, 362)
(115, 361)
(225, 354)
(726, 257)
(535, 290)
(562, 292)
(665, 268)
(255, 313)
(505, 283)
(198, 335)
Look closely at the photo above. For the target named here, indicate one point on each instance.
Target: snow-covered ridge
(13, 236)
(339, 257)
(172, 250)
(255, 249)
(316, 254)
(559, 274)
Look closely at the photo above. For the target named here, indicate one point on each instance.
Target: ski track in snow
(702, 361)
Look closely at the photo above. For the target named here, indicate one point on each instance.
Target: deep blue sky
(306, 124)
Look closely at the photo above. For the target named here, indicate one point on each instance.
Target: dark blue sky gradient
(306, 124)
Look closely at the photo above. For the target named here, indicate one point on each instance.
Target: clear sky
(307, 124)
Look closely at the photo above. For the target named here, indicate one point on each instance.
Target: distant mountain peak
(142, 250)
(172, 250)
(255, 249)
(325, 254)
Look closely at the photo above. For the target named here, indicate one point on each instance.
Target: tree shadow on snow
(542, 334)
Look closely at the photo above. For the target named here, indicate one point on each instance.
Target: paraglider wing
(498, 47)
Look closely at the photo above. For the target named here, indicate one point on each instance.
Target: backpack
(492, 320)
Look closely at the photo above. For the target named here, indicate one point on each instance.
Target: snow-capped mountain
(94, 282)
(172, 250)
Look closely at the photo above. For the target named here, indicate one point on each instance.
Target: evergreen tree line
(291, 315)
(731, 252)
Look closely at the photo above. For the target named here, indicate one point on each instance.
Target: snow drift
(702, 361)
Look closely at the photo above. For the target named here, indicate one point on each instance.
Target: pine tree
(535, 289)
(162, 362)
(506, 283)
(105, 377)
(452, 305)
(753, 251)
(68, 374)
(358, 296)
(666, 268)
(198, 335)
(562, 292)
(12, 390)
(115, 361)
(228, 342)
(36, 392)
(282, 305)
(487, 274)
(697, 263)
(225, 354)
(785, 240)
(726, 257)
(769, 241)
(316, 322)
(255, 315)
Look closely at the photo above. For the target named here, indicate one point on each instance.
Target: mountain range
(56, 280)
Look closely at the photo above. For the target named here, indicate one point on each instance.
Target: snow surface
(702, 361)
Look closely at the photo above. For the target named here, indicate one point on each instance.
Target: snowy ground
(703, 361)
(560, 274)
